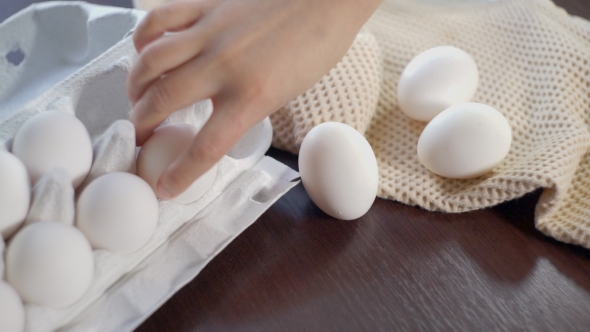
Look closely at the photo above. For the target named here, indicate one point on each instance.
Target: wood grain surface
(396, 268)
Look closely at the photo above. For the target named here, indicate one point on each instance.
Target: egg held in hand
(435, 80)
(15, 193)
(54, 139)
(465, 141)
(165, 145)
(49, 264)
(339, 170)
(118, 212)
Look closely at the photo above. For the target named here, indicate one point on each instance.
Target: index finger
(170, 17)
(224, 128)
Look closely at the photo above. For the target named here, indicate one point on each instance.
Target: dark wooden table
(397, 268)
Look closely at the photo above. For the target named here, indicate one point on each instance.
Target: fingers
(173, 16)
(178, 89)
(223, 129)
(160, 57)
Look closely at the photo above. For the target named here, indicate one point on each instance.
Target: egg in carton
(75, 57)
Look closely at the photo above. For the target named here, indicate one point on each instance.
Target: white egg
(50, 264)
(435, 80)
(339, 170)
(12, 310)
(465, 141)
(161, 149)
(15, 193)
(117, 212)
(54, 139)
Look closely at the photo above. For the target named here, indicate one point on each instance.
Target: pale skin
(249, 56)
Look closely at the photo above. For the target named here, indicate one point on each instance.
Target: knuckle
(172, 180)
(151, 19)
(255, 94)
(137, 37)
(149, 58)
(257, 88)
(239, 124)
(207, 152)
(156, 15)
(159, 98)
(227, 56)
(130, 87)
(182, 6)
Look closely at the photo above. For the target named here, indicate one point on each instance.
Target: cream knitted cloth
(533, 61)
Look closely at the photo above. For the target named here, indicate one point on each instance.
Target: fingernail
(163, 192)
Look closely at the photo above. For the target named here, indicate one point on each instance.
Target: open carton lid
(75, 57)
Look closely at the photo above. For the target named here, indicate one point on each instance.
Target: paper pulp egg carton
(75, 57)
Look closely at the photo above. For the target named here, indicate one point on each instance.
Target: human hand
(250, 57)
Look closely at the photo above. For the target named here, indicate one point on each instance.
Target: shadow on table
(296, 258)
(251, 268)
(571, 260)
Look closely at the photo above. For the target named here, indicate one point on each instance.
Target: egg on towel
(161, 149)
(49, 264)
(118, 212)
(435, 80)
(15, 193)
(54, 139)
(339, 170)
(465, 141)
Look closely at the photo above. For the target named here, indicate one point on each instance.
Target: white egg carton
(75, 57)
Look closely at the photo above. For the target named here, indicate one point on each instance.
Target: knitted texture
(533, 61)
(348, 94)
